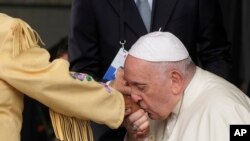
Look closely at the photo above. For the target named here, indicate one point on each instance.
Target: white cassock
(210, 105)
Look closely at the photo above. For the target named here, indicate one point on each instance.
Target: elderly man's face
(151, 88)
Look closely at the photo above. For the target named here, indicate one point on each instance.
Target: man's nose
(136, 98)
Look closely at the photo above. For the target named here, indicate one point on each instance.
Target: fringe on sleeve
(70, 129)
(24, 37)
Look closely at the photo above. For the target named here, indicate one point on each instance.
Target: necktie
(145, 12)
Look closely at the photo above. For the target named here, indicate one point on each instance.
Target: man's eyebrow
(137, 83)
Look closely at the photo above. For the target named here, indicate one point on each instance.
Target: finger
(141, 123)
(128, 111)
(135, 128)
(136, 116)
(143, 127)
(143, 133)
(130, 119)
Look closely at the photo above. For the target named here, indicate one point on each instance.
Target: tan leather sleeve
(72, 94)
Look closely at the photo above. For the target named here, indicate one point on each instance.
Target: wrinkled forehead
(138, 70)
(132, 63)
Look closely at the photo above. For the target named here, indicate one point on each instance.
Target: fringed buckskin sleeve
(70, 128)
(73, 96)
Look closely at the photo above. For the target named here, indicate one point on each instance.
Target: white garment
(210, 105)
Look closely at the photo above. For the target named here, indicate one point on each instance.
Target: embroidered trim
(81, 76)
(108, 89)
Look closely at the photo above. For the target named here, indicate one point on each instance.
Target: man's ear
(177, 82)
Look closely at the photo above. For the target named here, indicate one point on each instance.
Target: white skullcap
(159, 46)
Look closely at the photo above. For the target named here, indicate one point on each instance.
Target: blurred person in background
(60, 49)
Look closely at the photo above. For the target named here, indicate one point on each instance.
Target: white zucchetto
(159, 46)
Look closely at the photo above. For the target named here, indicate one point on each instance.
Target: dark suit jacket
(95, 32)
(94, 35)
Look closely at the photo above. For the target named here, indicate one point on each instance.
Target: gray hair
(183, 66)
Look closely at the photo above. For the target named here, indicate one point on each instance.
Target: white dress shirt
(150, 2)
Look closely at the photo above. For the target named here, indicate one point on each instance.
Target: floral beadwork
(106, 87)
(88, 77)
(80, 76)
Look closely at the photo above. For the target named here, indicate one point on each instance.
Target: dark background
(51, 20)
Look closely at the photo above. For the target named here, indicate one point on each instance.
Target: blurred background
(50, 18)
